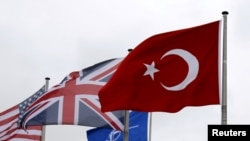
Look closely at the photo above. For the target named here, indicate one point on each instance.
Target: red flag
(167, 72)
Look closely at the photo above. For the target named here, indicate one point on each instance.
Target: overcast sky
(51, 38)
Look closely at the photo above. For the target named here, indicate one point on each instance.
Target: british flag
(75, 100)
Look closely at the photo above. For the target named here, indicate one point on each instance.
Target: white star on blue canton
(23, 105)
(151, 70)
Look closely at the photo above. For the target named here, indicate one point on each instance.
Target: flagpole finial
(224, 13)
(47, 78)
(129, 50)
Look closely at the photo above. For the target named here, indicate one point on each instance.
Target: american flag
(75, 100)
(9, 129)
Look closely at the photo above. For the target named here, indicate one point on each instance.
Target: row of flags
(167, 72)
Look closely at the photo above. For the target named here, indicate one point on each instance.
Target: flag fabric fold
(9, 127)
(75, 100)
(138, 130)
(167, 72)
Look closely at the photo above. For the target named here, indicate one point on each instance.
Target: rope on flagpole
(46, 89)
(224, 71)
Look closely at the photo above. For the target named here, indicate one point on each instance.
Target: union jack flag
(75, 100)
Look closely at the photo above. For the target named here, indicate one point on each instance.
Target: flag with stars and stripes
(9, 129)
(23, 105)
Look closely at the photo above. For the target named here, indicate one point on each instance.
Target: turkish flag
(167, 72)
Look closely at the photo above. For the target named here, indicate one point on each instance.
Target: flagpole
(150, 126)
(224, 71)
(126, 120)
(46, 89)
(126, 126)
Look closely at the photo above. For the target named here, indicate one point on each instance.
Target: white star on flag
(151, 70)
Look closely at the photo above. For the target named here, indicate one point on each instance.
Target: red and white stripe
(10, 132)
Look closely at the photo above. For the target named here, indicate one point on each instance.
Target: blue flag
(138, 129)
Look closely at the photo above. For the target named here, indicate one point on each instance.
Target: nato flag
(138, 129)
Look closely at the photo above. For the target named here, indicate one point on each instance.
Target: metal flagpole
(150, 126)
(224, 71)
(126, 120)
(46, 89)
(126, 126)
